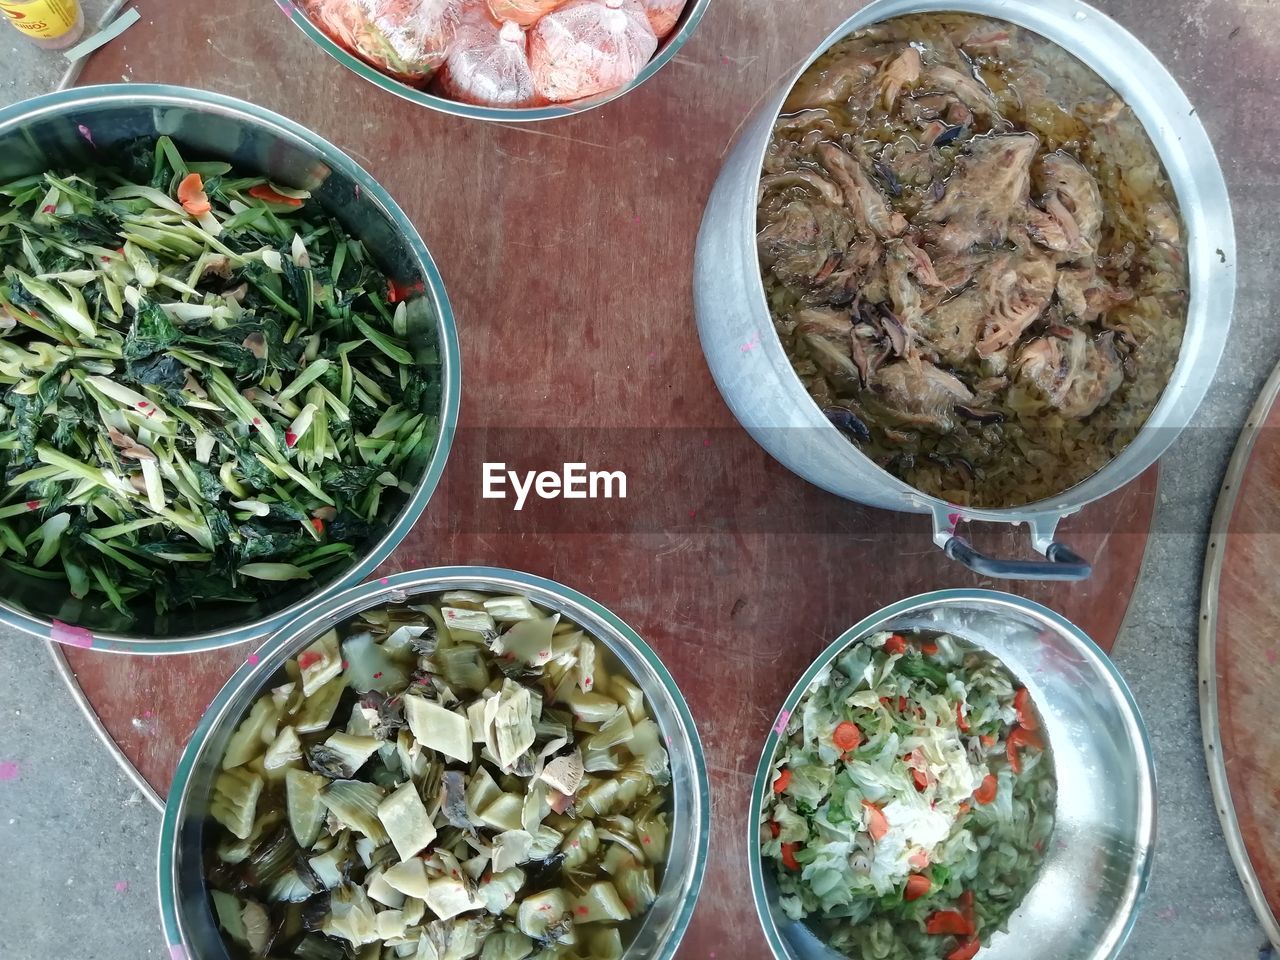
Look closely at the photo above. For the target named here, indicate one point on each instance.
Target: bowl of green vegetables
(229, 372)
(962, 774)
(451, 763)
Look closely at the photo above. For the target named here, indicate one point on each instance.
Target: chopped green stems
(195, 406)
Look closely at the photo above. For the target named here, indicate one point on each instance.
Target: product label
(42, 19)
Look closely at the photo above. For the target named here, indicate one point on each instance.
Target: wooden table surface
(567, 252)
(1242, 613)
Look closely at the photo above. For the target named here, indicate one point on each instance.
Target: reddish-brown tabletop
(1240, 650)
(567, 251)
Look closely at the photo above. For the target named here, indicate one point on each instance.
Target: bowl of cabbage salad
(962, 773)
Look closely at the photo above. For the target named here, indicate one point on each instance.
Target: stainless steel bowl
(1085, 899)
(189, 925)
(73, 127)
(668, 47)
(753, 372)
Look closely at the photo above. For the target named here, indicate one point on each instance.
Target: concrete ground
(77, 840)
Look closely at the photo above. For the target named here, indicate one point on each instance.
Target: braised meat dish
(973, 257)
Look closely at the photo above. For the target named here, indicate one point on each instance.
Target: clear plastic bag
(589, 46)
(663, 14)
(523, 12)
(408, 39)
(489, 64)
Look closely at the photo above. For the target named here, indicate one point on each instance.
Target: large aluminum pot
(79, 125)
(1085, 899)
(668, 47)
(189, 925)
(751, 367)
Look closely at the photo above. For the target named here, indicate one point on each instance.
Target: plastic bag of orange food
(590, 46)
(663, 14)
(523, 12)
(408, 39)
(489, 64)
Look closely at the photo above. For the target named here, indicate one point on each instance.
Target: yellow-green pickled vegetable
(467, 777)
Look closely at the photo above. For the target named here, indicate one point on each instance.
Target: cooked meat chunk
(920, 394)
(971, 91)
(835, 84)
(1162, 223)
(902, 71)
(951, 329)
(1085, 295)
(803, 240)
(1073, 288)
(1069, 194)
(1076, 376)
(824, 322)
(805, 179)
(990, 186)
(1017, 291)
(861, 196)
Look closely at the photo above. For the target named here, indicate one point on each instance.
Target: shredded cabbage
(924, 815)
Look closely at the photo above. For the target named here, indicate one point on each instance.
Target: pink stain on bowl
(251, 659)
(1272, 657)
(72, 636)
(781, 725)
(9, 770)
(384, 580)
(178, 952)
(122, 886)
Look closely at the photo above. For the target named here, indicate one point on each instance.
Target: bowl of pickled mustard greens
(911, 801)
(463, 773)
(214, 397)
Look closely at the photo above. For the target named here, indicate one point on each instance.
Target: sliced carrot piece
(847, 736)
(877, 824)
(266, 194)
(961, 720)
(1026, 713)
(775, 828)
(929, 649)
(917, 886)
(948, 923)
(1021, 737)
(986, 793)
(783, 781)
(192, 196)
(895, 645)
(918, 860)
(967, 950)
(789, 856)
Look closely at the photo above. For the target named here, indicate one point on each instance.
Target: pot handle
(1060, 562)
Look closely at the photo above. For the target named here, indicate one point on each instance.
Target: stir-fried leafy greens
(912, 800)
(468, 777)
(205, 387)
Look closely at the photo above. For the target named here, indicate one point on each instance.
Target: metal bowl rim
(1121, 694)
(258, 666)
(1212, 187)
(668, 47)
(63, 102)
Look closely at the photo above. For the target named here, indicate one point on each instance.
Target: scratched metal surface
(567, 252)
